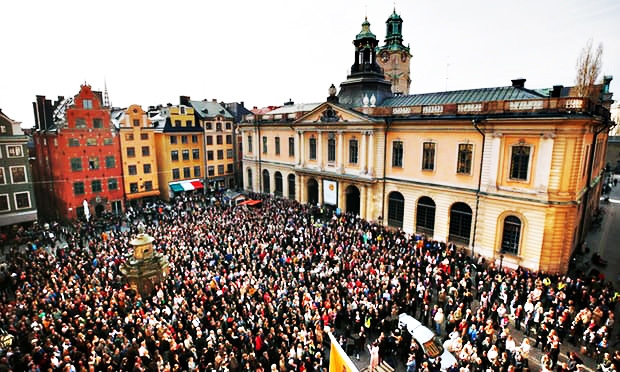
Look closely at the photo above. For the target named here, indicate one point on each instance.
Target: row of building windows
(219, 139)
(95, 186)
(291, 145)
(81, 123)
(174, 154)
(278, 190)
(21, 201)
(75, 142)
(220, 154)
(143, 136)
(460, 221)
(134, 187)
(132, 170)
(18, 175)
(13, 151)
(218, 126)
(93, 163)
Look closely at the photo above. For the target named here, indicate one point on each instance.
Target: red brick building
(77, 153)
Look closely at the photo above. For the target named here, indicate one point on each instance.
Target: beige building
(511, 173)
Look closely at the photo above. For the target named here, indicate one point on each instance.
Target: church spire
(106, 98)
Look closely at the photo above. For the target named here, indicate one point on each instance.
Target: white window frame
(29, 200)
(25, 174)
(3, 176)
(7, 203)
(8, 151)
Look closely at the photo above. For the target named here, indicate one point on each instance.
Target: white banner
(330, 192)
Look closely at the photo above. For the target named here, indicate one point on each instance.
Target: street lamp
(501, 261)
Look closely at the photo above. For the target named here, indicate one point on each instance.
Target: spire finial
(106, 98)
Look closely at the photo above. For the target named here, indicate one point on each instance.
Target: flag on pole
(339, 361)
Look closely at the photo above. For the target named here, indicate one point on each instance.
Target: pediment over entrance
(329, 113)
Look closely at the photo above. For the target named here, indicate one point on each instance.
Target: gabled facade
(137, 141)
(510, 173)
(78, 160)
(17, 198)
(179, 150)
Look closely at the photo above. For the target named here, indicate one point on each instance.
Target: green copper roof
(365, 33)
(395, 16)
(462, 96)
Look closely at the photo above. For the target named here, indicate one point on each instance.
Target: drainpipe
(475, 123)
(204, 148)
(260, 158)
(388, 125)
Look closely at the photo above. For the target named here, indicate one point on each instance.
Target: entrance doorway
(352, 199)
(99, 210)
(313, 191)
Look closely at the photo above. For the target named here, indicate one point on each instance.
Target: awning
(250, 202)
(197, 184)
(176, 187)
(187, 185)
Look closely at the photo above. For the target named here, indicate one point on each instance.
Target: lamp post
(501, 261)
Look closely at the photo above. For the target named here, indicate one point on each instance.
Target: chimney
(214, 100)
(289, 103)
(518, 83)
(184, 100)
(557, 91)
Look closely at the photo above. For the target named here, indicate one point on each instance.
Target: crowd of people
(257, 289)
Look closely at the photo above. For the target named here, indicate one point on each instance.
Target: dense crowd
(257, 289)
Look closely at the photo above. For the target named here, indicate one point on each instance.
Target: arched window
(396, 209)
(460, 223)
(249, 179)
(425, 216)
(511, 235)
(291, 186)
(278, 178)
(266, 185)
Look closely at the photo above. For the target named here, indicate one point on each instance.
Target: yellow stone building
(137, 138)
(179, 150)
(510, 173)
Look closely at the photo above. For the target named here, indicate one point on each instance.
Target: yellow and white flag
(339, 361)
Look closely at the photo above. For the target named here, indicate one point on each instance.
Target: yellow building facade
(138, 153)
(179, 150)
(509, 173)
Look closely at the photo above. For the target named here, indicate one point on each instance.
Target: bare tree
(588, 69)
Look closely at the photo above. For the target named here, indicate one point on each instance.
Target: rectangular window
(291, 146)
(108, 141)
(209, 140)
(4, 203)
(148, 185)
(146, 151)
(136, 122)
(93, 162)
(228, 139)
(312, 148)
(220, 169)
(76, 164)
(133, 187)
(220, 154)
(112, 184)
(209, 125)
(185, 154)
(144, 136)
(353, 151)
(91, 142)
(520, 162)
(177, 123)
(218, 126)
(463, 165)
(209, 155)
(196, 154)
(397, 154)
(228, 126)
(22, 200)
(194, 138)
(249, 143)
(229, 154)
(132, 170)
(2, 176)
(80, 123)
(110, 161)
(277, 143)
(211, 171)
(74, 142)
(87, 104)
(196, 171)
(173, 140)
(14, 151)
(176, 174)
(129, 137)
(174, 155)
(184, 139)
(264, 144)
(131, 152)
(187, 172)
(331, 150)
(146, 168)
(78, 188)
(96, 186)
(229, 168)
(188, 123)
(97, 123)
(428, 156)
(220, 140)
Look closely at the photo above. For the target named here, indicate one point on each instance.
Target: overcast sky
(267, 52)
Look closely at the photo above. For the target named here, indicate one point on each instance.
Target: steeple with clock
(394, 57)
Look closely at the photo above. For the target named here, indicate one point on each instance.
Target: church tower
(394, 57)
(365, 85)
